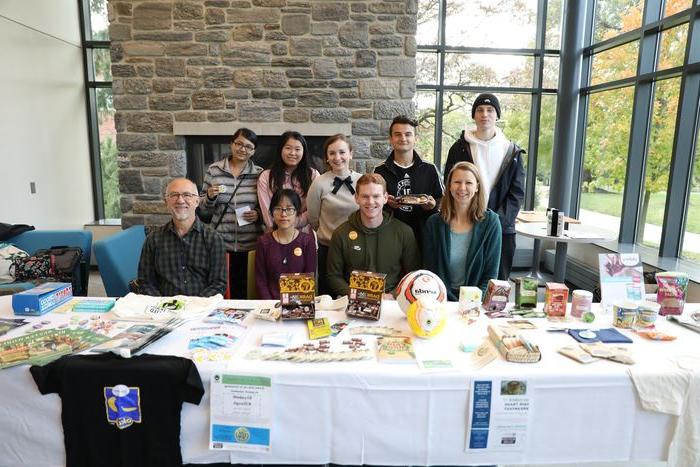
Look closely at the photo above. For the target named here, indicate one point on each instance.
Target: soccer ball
(426, 317)
(417, 284)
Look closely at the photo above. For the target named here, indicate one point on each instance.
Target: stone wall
(346, 63)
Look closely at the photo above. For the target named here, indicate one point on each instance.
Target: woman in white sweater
(331, 198)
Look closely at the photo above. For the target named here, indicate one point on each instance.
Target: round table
(575, 233)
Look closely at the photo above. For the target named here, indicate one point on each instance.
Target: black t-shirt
(121, 412)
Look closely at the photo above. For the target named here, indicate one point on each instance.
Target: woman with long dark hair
(291, 169)
(232, 202)
(285, 249)
(462, 242)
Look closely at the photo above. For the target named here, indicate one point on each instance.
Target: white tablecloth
(373, 413)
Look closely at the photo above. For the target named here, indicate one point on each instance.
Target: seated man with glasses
(184, 256)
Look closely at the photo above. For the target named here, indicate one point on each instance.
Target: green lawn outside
(611, 203)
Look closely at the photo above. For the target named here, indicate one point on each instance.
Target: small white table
(577, 233)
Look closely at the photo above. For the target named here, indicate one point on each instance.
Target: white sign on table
(241, 412)
(499, 415)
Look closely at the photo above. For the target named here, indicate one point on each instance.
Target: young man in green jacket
(371, 240)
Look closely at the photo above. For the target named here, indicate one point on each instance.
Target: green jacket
(390, 249)
(483, 256)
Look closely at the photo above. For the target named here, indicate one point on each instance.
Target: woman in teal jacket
(462, 243)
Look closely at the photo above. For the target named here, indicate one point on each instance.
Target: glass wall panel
(426, 68)
(550, 75)
(108, 152)
(614, 17)
(613, 64)
(691, 236)
(674, 6)
(552, 37)
(544, 153)
(491, 23)
(662, 128)
(605, 157)
(428, 21)
(672, 47)
(425, 109)
(98, 21)
(102, 64)
(489, 70)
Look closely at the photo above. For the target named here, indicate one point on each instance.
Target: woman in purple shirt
(285, 249)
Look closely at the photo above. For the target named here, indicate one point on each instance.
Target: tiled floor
(95, 286)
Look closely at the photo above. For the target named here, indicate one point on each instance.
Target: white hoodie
(488, 156)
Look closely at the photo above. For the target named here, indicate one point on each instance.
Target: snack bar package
(365, 297)
(671, 293)
(297, 294)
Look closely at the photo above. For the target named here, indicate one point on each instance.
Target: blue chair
(41, 239)
(118, 259)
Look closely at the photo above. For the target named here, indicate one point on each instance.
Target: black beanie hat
(486, 99)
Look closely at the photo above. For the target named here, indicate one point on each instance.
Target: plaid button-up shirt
(194, 265)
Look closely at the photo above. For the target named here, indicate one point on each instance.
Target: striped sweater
(236, 238)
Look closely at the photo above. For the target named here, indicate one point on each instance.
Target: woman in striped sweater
(232, 199)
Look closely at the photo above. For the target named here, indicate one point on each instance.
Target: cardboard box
(297, 294)
(365, 297)
(496, 297)
(41, 299)
(526, 292)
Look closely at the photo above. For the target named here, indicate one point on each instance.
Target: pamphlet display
(621, 278)
(241, 412)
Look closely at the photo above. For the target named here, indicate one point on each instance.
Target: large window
(468, 47)
(98, 83)
(639, 142)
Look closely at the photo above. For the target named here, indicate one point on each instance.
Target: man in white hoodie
(501, 166)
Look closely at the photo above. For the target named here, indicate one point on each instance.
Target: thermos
(555, 222)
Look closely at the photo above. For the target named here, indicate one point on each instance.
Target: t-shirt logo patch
(123, 405)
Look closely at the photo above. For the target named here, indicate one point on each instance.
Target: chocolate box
(297, 293)
(365, 297)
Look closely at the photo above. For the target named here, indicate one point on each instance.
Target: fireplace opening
(202, 151)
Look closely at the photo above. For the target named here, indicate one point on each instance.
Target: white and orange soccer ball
(417, 284)
(426, 317)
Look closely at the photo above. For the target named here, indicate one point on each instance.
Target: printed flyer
(241, 412)
(499, 415)
(621, 278)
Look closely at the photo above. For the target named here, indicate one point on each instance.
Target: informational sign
(241, 412)
(621, 278)
(499, 415)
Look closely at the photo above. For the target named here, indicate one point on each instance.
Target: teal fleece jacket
(390, 249)
(483, 257)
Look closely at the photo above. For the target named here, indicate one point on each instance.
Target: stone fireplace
(204, 68)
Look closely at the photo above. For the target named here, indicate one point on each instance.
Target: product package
(41, 299)
(671, 293)
(297, 294)
(366, 290)
(526, 292)
(497, 293)
(318, 328)
(555, 298)
(513, 347)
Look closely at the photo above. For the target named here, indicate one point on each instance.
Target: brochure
(228, 316)
(46, 345)
(8, 324)
(137, 337)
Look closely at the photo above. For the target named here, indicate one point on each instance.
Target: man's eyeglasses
(186, 196)
(246, 147)
(285, 211)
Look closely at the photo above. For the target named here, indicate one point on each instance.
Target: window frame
(686, 123)
(91, 85)
(536, 90)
